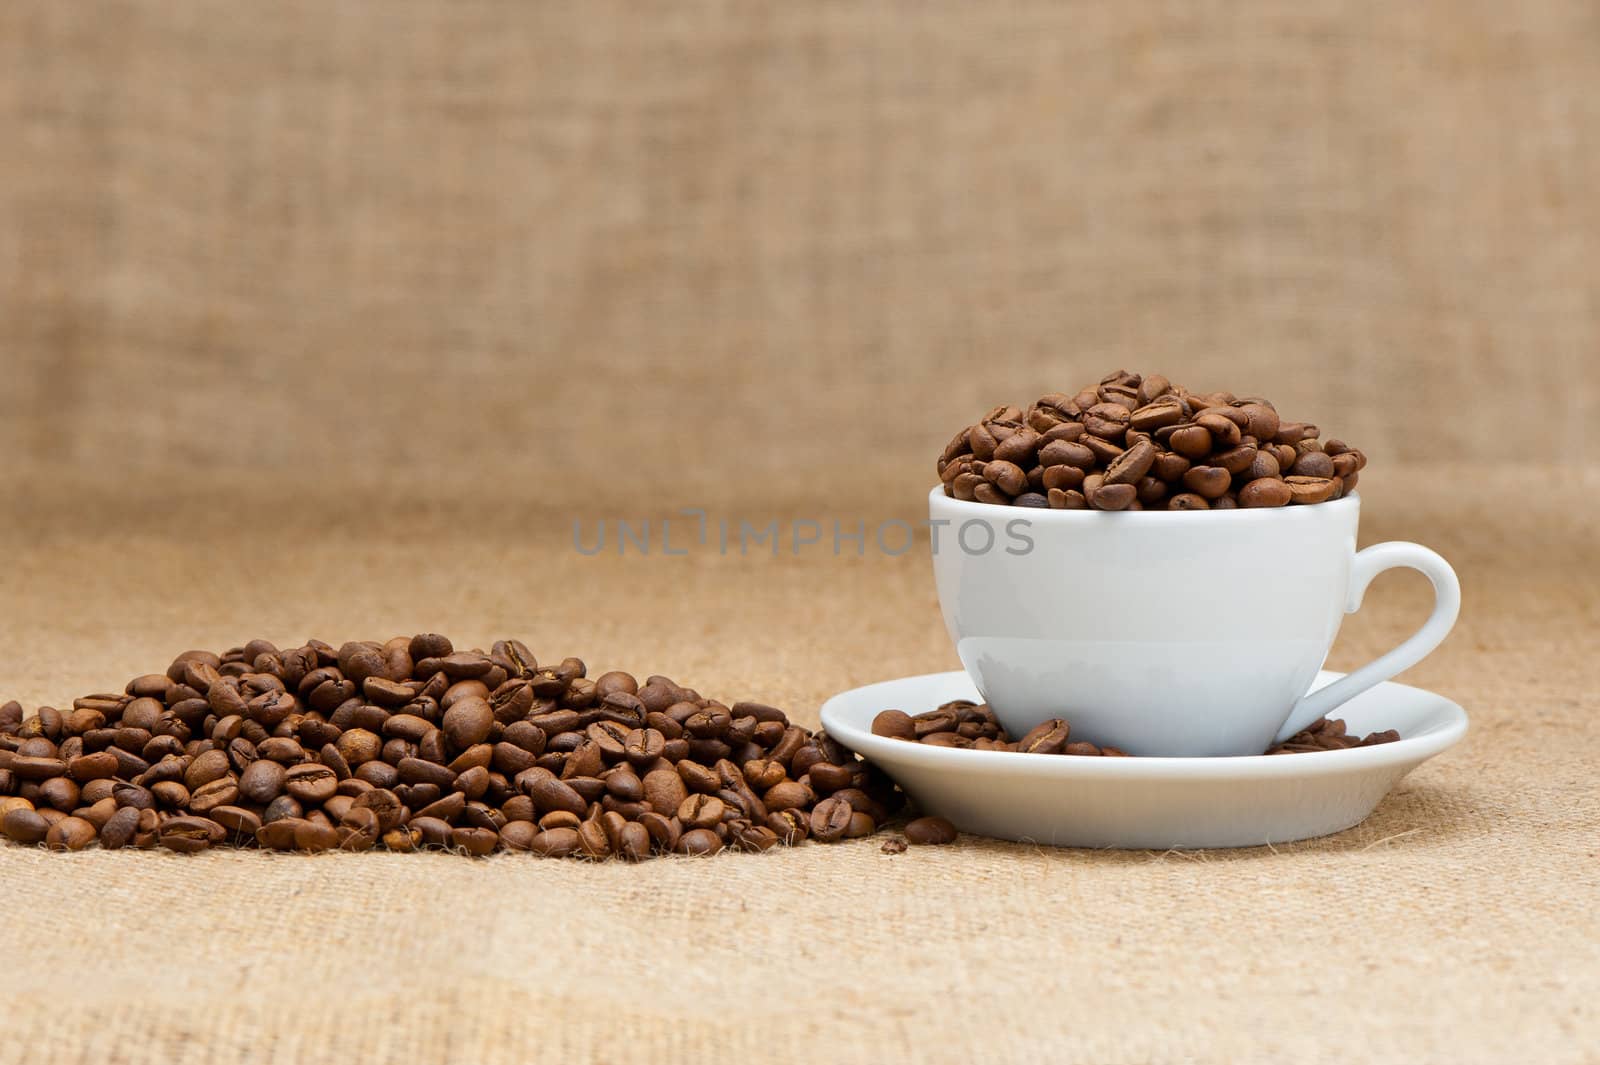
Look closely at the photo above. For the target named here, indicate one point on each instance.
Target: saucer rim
(1442, 733)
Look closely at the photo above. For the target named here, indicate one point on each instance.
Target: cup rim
(936, 497)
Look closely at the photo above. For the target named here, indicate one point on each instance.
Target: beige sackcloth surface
(330, 320)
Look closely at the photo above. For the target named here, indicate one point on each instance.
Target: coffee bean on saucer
(930, 831)
(896, 724)
(939, 728)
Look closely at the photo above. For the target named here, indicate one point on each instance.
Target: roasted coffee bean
(311, 783)
(556, 842)
(827, 778)
(32, 768)
(701, 811)
(1208, 482)
(24, 825)
(188, 834)
(468, 722)
(358, 830)
(1066, 453)
(70, 834)
(87, 767)
(96, 813)
(925, 831)
(1006, 476)
(518, 835)
(633, 842)
(237, 820)
(1132, 465)
(699, 841)
(223, 791)
(1046, 738)
(549, 793)
(1112, 496)
(1309, 489)
(314, 836)
(119, 829)
(830, 819)
(421, 771)
(895, 725)
(262, 781)
(789, 795)
(1265, 492)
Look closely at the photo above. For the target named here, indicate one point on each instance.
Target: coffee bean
(896, 724)
(315, 836)
(430, 832)
(1006, 476)
(188, 834)
(235, 819)
(32, 768)
(119, 829)
(421, 771)
(701, 811)
(1045, 738)
(699, 841)
(384, 804)
(930, 831)
(633, 842)
(830, 819)
(262, 781)
(89, 767)
(548, 794)
(220, 792)
(556, 842)
(1066, 453)
(1131, 466)
(1112, 497)
(468, 722)
(1107, 420)
(1208, 482)
(1157, 415)
(70, 834)
(1309, 489)
(24, 825)
(1265, 492)
(311, 783)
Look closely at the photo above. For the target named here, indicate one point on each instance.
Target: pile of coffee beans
(1137, 442)
(963, 723)
(1328, 734)
(411, 744)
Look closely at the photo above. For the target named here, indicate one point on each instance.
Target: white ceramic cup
(1166, 632)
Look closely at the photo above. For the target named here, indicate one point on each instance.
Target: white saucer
(1148, 803)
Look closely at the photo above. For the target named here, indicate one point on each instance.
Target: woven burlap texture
(331, 319)
(1458, 923)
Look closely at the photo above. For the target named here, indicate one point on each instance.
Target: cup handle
(1446, 605)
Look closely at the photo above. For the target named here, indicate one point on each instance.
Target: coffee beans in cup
(965, 724)
(410, 744)
(1140, 442)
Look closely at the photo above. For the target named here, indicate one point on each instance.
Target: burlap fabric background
(331, 319)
